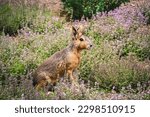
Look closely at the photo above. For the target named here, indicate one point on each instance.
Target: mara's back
(53, 63)
(52, 68)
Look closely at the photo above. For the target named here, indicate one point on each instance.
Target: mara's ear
(80, 29)
(74, 31)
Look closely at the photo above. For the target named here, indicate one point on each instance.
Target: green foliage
(17, 68)
(79, 8)
(22, 57)
(145, 10)
(147, 14)
(135, 48)
(101, 65)
(96, 36)
(10, 57)
(45, 22)
(10, 21)
(13, 18)
(118, 74)
(131, 47)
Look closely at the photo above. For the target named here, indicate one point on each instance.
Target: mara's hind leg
(41, 85)
(43, 80)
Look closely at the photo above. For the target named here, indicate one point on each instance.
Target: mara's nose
(91, 45)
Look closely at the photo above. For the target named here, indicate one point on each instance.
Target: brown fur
(62, 62)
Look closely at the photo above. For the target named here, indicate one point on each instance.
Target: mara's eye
(81, 39)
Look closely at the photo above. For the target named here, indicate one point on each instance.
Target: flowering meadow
(117, 67)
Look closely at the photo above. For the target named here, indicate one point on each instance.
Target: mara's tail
(34, 82)
(34, 79)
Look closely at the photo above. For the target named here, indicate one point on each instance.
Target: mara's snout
(90, 45)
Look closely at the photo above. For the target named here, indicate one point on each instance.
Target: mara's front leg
(71, 77)
(76, 74)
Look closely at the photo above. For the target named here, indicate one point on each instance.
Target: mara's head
(80, 41)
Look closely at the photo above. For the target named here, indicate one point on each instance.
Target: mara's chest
(73, 61)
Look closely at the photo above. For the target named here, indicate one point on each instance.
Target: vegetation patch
(117, 67)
